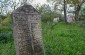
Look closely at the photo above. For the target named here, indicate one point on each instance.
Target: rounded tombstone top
(26, 9)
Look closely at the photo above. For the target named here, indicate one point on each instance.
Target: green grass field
(59, 39)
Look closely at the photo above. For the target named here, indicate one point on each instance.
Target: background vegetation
(59, 38)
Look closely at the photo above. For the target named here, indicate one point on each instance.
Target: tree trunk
(65, 11)
(76, 15)
(1, 10)
(14, 7)
(77, 10)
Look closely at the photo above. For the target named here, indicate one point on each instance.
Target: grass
(7, 48)
(59, 39)
(63, 39)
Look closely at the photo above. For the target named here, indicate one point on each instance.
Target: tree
(78, 4)
(6, 5)
(3, 5)
(82, 16)
(45, 11)
(65, 11)
(14, 4)
(60, 2)
(26, 2)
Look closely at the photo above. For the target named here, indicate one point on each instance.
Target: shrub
(49, 16)
(81, 24)
(5, 36)
(5, 33)
(3, 16)
(82, 16)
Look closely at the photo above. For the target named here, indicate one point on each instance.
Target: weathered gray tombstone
(27, 31)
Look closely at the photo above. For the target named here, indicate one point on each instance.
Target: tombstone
(70, 18)
(27, 31)
(56, 20)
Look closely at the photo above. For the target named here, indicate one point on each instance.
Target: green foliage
(76, 2)
(81, 24)
(45, 18)
(63, 39)
(5, 37)
(59, 39)
(6, 21)
(2, 17)
(7, 49)
(5, 34)
(6, 30)
(82, 16)
(49, 16)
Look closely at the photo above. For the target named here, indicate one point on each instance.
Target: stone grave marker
(27, 31)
